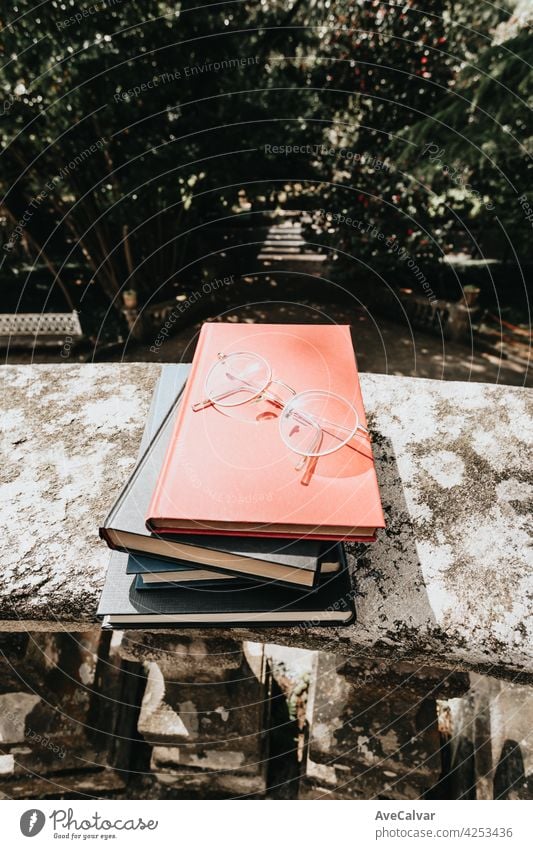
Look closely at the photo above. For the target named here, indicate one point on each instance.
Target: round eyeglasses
(312, 423)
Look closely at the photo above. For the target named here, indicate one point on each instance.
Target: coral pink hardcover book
(224, 473)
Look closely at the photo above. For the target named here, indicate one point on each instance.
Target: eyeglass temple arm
(207, 402)
(319, 421)
(316, 442)
(310, 462)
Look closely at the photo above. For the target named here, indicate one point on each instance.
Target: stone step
(216, 709)
(284, 249)
(378, 732)
(190, 656)
(210, 760)
(280, 257)
(335, 782)
(282, 243)
(212, 784)
(92, 783)
(285, 232)
(53, 756)
(493, 723)
(386, 677)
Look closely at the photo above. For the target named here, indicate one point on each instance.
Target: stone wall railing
(381, 709)
(449, 582)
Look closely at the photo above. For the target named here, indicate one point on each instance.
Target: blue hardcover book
(185, 578)
(153, 573)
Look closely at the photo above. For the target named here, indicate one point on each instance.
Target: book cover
(293, 562)
(224, 473)
(122, 605)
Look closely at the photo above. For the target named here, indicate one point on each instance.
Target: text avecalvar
(404, 815)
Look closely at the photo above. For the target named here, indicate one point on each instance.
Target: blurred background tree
(134, 139)
(438, 112)
(176, 100)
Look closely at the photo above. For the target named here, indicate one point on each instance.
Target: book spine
(169, 386)
(190, 388)
(319, 537)
(145, 440)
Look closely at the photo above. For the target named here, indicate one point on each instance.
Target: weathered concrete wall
(133, 715)
(449, 582)
(374, 729)
(62, 705)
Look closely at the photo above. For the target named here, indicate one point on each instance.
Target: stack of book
(217, 525)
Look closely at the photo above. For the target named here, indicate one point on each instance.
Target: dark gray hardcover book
(293, 562)
(124, 606)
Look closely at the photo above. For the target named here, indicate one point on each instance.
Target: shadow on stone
(393, 604)
(283, 768)
(510, 779)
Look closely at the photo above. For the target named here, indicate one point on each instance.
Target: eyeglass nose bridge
(286, 385)
(269, 394)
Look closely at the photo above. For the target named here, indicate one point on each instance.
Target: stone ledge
(449, 582)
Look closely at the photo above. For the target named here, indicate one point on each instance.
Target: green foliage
(128, 131)
(484, 132)
(179, 102)
(434, 110)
